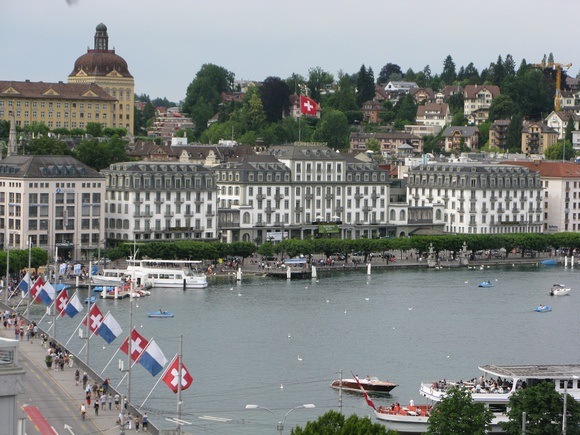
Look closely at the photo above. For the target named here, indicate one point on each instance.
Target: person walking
(85, 380)
(96, 406)
(83, 411)
(110, 401)
(117, 399)
(77, 377)
(103, 402)
(145, 422)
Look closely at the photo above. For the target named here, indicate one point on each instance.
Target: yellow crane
(558, 67)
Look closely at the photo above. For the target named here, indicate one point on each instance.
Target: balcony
(299, 209)
(358, 196)
(209, 213)
(374, 196)
(308, 196)
(269, 210)
(198, 200)
(260, 224)
(339, 209)
(278, 196)
(366, 209)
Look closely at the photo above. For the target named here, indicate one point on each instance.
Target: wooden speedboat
(414, 419)
(160, 314)
(559, 290)
(370, 385)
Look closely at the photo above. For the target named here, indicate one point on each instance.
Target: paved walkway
(63, 391)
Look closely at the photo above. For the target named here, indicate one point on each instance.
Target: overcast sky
(166, 42)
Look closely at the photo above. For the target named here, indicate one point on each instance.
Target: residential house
(457, 138)
(434, 114)
(423, 130)
(422, 95)
(400, 86)
(477, 100)
(537, 137)
(447, 92)
(371, 111)
(559, 121)
(497, 133)
(389, 142)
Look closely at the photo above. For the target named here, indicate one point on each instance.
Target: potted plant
(48, 361)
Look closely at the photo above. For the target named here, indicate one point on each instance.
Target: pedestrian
(117, 398)
(96, 406)
(70, 360)
(110, 401)
(83, 411)
(129, 421)
(137, 423)
(103, 401)
(145, 422)
(77, 377)
(85, 380)
(88, 398)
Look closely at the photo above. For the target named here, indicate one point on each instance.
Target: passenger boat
(493, 388)
(167, 273)
(485, 284)
(543, 308)
(499, 383)
(559, 290)
(160, 314)
(110, 277)
(370, 384)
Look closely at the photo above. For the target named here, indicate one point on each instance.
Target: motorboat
(485, 284)
(160, 314)
(559, 290)
(415, 418)
(118, 292)
(167, 273)
(90, 300)
(549, 262)
(110, 277)
(100, 288)
(543, 308)
(370, 384)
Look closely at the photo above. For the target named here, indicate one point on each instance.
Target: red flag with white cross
(308, 106)
(171, 376)
(138, 345)
(61, 302)
(95, 319)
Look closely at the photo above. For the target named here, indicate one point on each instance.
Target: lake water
(242, 341)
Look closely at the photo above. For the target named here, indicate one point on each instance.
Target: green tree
(318, 79)
(334, 423)
(345, 98)
(275, 96)
(203, 94)
(296, 83)
(95, 129)
(4, 129)
(448, 75)
(569, 129)
(101, 154)
(562, 150)
(502, 107)
(365, 85)
(392, 71)
(531, 92)
(46, 146)
(333, 129)
(252, 113)
(543, 406)
(36, 128)
(513, 133)
(406, 110)
(497, 71)
(458, 414)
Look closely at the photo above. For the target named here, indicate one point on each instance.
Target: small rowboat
(160, 314)
(543, 309)
(485, 284)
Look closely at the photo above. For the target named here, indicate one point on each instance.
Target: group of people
(59, 357)
(102, 399)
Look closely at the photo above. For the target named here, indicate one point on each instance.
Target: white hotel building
(53, 201)
(478, 198)
(300, 191)
(154, 201)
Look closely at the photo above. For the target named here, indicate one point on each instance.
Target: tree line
(197, 250)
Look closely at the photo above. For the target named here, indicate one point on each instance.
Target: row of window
(52, 104)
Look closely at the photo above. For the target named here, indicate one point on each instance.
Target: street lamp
(574, 377)
(280, 426)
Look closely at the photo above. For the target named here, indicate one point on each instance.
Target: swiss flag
(61, 302)
(138, 345)
(171, 376)
(308, 106)
(36, 288)
(96, 318)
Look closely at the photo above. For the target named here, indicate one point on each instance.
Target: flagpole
(46, 313)
(88, 327)
(55, 274)
(158, 380)
(179, 384)
(130, 343)
(78, 326)
(105, 368)
(27, 312)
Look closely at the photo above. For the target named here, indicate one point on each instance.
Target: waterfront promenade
(57, 396)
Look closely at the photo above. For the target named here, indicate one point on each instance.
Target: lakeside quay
(62, 406)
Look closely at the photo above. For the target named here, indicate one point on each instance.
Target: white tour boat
(167, 273)
(494, 388)
(110, 277)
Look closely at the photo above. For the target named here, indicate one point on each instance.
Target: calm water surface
(242, 341)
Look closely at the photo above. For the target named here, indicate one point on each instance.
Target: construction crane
(558, 67)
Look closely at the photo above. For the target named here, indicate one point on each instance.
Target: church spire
(101, 37)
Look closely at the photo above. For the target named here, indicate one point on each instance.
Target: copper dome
(101, 63)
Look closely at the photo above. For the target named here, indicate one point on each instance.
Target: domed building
(109, 71)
